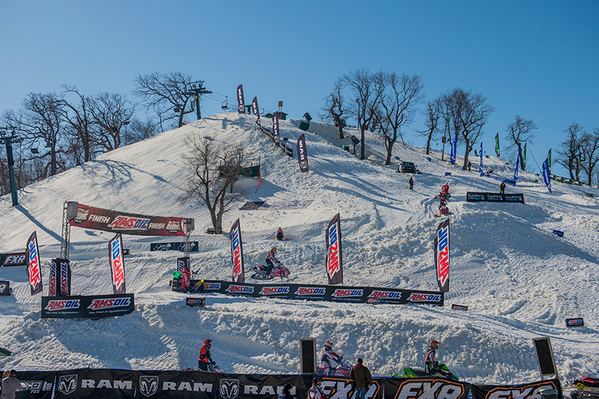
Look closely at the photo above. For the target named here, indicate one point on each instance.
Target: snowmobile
(212, 366)
(343, 369)
(439, 370)
(586, 388)
(277, 271)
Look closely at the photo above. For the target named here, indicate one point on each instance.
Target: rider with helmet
(328, 356)
(271, 260)
(205, 359)
(430, 363)
(316, 391)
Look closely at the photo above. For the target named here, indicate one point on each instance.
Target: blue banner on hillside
(480, 168)
(454, 149)
(517, 165)
(547, 174)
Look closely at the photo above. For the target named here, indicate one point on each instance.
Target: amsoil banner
(117, 264)
(275, 128)
(34, 270)
(14, 259)
(320, 292)
(302, 154)
(60, 277)
(256, 110)
(523, 391)
(334, 259)
(493, 197)
(240, 100)
(93, 218)
(237, 253)
(87, 306)
(442, 255)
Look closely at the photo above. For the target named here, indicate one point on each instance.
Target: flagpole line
(533, 157)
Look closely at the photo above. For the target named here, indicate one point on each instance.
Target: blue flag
(517, 165)
(546, 174)
(480, 168)
(454, 148)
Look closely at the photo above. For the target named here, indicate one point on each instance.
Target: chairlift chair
(225, 105)
(35, 150)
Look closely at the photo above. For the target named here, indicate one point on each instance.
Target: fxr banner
(93, 218)
(524, 391)
(334, 261)
(14, 259)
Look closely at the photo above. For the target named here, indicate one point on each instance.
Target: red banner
(93, 218)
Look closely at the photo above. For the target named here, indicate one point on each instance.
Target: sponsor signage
(256, 110)
(240, 100)
(4, 288)
(34, 272)
(117, 265)
(237, 253)
(494, 197)
(322, 292)
(459, 307)
(302, 154)
(199, 302)
(87, 306)
(275, 128)
(14, 259)
(441, 245)
(60, 277)
(174, 246)
(523, 391)
(425, 388)
(93, 218)
(577, 322)
(334, 263)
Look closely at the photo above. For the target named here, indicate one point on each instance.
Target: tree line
(65, 129)
(386, 103)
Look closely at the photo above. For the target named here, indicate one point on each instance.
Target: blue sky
(536, 59)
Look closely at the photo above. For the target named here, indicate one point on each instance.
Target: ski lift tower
(8, 140)
(196, 90)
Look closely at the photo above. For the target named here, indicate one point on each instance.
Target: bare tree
(333, 109)
(590, 153)
(519, 132)
(368, 91)
(212, 169)
(110, 112)
(168, 94)
(139, 130)
(79, 118)
(398, 106)
(570, 150)
(468, 114)
(433, 113)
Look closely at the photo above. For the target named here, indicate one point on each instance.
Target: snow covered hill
(518, 279)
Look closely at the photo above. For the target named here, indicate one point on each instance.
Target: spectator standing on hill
(502, 188)
(286, 392)
(362, 379)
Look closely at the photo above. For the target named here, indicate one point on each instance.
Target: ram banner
(441, 246)
(93, 218)
(34, 270)
(117, 264)
(237, 253)
(334, 264)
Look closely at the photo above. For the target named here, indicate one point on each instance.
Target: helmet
(316, 379)
(274, 249)
(330, 343)
(207, 342)
(434, 344)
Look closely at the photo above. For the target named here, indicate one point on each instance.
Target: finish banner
(441, 245)
(494, 197)
(240, 100)
(302, 154)
(523, 391)
(320, 292)
(60, 277)
(93, 218)
(117, 264)
(334, 260)
(14, 259)
(34, 271)
(87, 306)
(237, 253)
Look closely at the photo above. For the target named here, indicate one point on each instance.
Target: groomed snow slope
(517, 278)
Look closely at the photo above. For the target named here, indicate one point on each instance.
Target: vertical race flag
(497, 144)
(480, 168)
(275, 128)
(52, 287)
(549, 160)
(60, 277)
(240, 100)
(517, 165)
(524, 157)
(454, 149)
(334, 260)
(34, 270)
(442, 255)
(302, 154)
(256, 110)
(117, 264)
(547, 174)
(237, 253)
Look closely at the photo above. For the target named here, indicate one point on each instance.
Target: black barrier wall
(106, 383)
(87, 306)
(312, 292)
(494, 197)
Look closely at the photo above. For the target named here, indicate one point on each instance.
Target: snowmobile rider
(280, 234)
(411, 183)
(328, 356)
(316, 391)
(271, 260)
(445, 188)
(205, 358)
(429, 361)
(185, 278)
